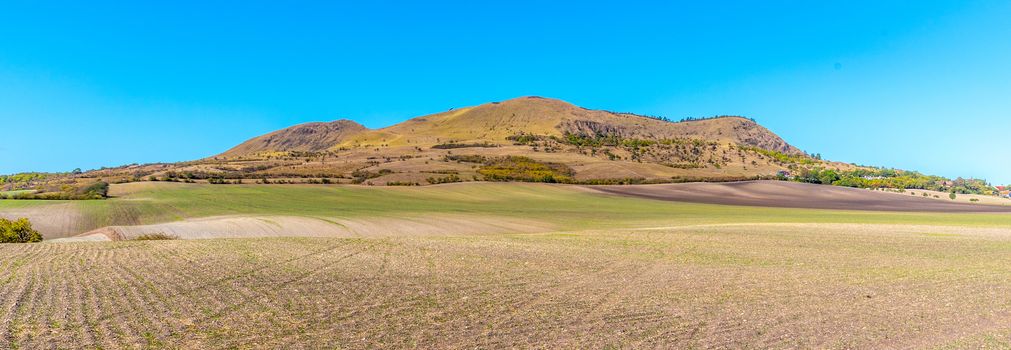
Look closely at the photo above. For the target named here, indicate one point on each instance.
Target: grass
(567, 206)
(564, 207)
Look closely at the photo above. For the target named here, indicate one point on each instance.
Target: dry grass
(717, 286)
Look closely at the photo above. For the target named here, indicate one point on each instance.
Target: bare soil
(53, 220)
(251, 226)
(711, 287)
(795, 195)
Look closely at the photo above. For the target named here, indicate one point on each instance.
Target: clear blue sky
(917, 85)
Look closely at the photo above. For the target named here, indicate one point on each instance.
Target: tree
(18, 231)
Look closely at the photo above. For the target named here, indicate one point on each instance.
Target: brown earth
(252, 226)
(779, 286)
(794, 195)
(51, 218)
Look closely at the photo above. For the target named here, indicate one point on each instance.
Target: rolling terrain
(527, 234)
(209, 211)
(550, 266)
(800, 195)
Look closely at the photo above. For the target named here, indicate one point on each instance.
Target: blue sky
(917, 85)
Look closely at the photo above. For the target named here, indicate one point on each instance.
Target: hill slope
(522, 139)
(543, 116)
(309, 137)
(498, 121)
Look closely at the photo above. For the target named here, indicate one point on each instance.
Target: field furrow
(777, 286)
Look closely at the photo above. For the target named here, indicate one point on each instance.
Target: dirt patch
(295, 226)
(794, 195)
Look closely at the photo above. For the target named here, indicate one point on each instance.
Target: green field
(566, 207)
(616, 273)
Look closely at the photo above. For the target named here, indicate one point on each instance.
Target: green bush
(442, 180)
(517, 168)
(96, 190)
(18, 231)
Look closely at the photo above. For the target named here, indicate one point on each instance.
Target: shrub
(18, 231)
(470, 158)
(952, 195)
(96, 190)
(402, 183)
(442, 180)
(516, 168)
(155, 237)
(452, 145)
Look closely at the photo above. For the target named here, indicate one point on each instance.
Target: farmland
(563, 207)
(600, 271)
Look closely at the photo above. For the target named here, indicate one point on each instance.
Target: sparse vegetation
(94, 190)
(780, 157)
(452, 145)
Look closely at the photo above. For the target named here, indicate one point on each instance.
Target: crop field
(715, 286)
(563, 207)
(607, 272)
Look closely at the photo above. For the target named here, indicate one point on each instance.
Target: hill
(530, 139)
(497, 122)
(522, 139)
(309, 137)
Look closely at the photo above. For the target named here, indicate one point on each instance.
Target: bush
(952, 195)
(517, 168)
(18, 231)
(154, 237)
(452, 145)
(96, 190)
(443, 180)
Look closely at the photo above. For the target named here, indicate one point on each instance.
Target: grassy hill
(498, 121)
(465, 144)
